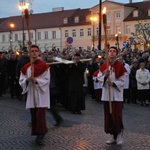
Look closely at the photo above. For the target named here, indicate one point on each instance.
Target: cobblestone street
(78, 132)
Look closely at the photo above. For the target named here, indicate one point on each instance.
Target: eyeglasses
(34, 51)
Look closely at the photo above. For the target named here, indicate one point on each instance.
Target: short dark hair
(77, 54)
(114, 47)
(35, 46)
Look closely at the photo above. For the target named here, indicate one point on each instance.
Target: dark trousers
(126, 95)
(55, 113)
(134, 95)
(1, 86)
(98, 94)
(12, 85)
(143, 95)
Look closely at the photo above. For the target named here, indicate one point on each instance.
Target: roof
(108, 1)
(46, 20)
(142, 7)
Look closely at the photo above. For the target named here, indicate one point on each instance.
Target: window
(97, 31)
(118, 15)
(53, 34)
(118, 29)
(108, 16)
(148, 12)
(81, 32)
(39, 35)
(65, 20)
(135, 13)
(16, 37)
(3, 38)
(76, 19)
(108, 30)
(46, 35)
(88, 19)
(9, 37)
(66, 33)
(127, 29)
(31, 35)
(74, 33)
(89, 32)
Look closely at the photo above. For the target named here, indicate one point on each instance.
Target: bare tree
(141, 34)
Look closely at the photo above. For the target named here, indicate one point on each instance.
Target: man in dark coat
(11, 67)
(133, 82)
(55, 93)
(97, 62)
(21, 62)
(75, 85)
(2, 73)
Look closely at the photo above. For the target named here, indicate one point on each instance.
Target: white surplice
(39, 93)
(116, 93)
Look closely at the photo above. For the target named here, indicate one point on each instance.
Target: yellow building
(123, 20)
(76, 28)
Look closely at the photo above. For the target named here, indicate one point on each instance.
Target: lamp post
(22, 6)
(35, 37)
(99, 33)
(93, 20)
(11, 40)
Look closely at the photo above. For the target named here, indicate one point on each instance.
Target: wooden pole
(107, 60)
(29, 45)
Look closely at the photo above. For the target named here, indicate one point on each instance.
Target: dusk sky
(10, 7)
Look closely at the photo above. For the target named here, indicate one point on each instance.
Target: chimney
(130, 1)
(57, 9)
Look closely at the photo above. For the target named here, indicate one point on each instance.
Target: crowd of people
(69, 83)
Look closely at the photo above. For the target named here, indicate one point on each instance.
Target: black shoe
(73, 112)
(12, 97)
(39, 139)
(19, 97)
(79, 112)
(58, 124)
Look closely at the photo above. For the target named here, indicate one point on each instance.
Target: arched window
(88, 19)
(65, 20)
(76, 19)
(135, 13)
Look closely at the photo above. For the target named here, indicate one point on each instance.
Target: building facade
(75, 28)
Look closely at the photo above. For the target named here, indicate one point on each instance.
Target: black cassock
(75, 74)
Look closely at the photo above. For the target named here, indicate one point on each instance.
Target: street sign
(69, 40)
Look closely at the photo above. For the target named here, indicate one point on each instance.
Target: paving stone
(78, 132)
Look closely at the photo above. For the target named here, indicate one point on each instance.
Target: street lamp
(22, 6)
(11, 40)
(93, 20)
